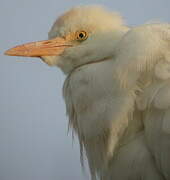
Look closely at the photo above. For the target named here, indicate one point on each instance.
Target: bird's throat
(91, 62)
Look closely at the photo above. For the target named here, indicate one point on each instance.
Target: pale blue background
(34, 144)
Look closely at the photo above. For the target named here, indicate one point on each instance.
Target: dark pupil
(81, 35)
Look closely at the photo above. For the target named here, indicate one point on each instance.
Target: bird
(116, 90)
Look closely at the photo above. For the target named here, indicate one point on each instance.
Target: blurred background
(34, 143)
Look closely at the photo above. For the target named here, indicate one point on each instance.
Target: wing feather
(143, 60)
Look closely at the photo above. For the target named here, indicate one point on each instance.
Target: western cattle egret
(116, 91)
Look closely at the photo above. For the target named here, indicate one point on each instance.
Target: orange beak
(53, 47)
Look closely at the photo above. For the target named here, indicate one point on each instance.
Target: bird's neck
(99, 112)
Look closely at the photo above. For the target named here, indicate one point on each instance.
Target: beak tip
(12, 52)
(7, 53)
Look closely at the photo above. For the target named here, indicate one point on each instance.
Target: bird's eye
(81, 35)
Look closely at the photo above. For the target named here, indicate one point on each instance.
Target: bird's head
(82, 35)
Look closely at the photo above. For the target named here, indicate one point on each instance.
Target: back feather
(143, 60)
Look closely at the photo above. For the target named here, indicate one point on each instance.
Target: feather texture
(99, 133)
(147, 66)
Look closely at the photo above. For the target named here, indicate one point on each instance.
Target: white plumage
(148, 68)
(116, 91)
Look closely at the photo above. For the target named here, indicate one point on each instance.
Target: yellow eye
(81, 35)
